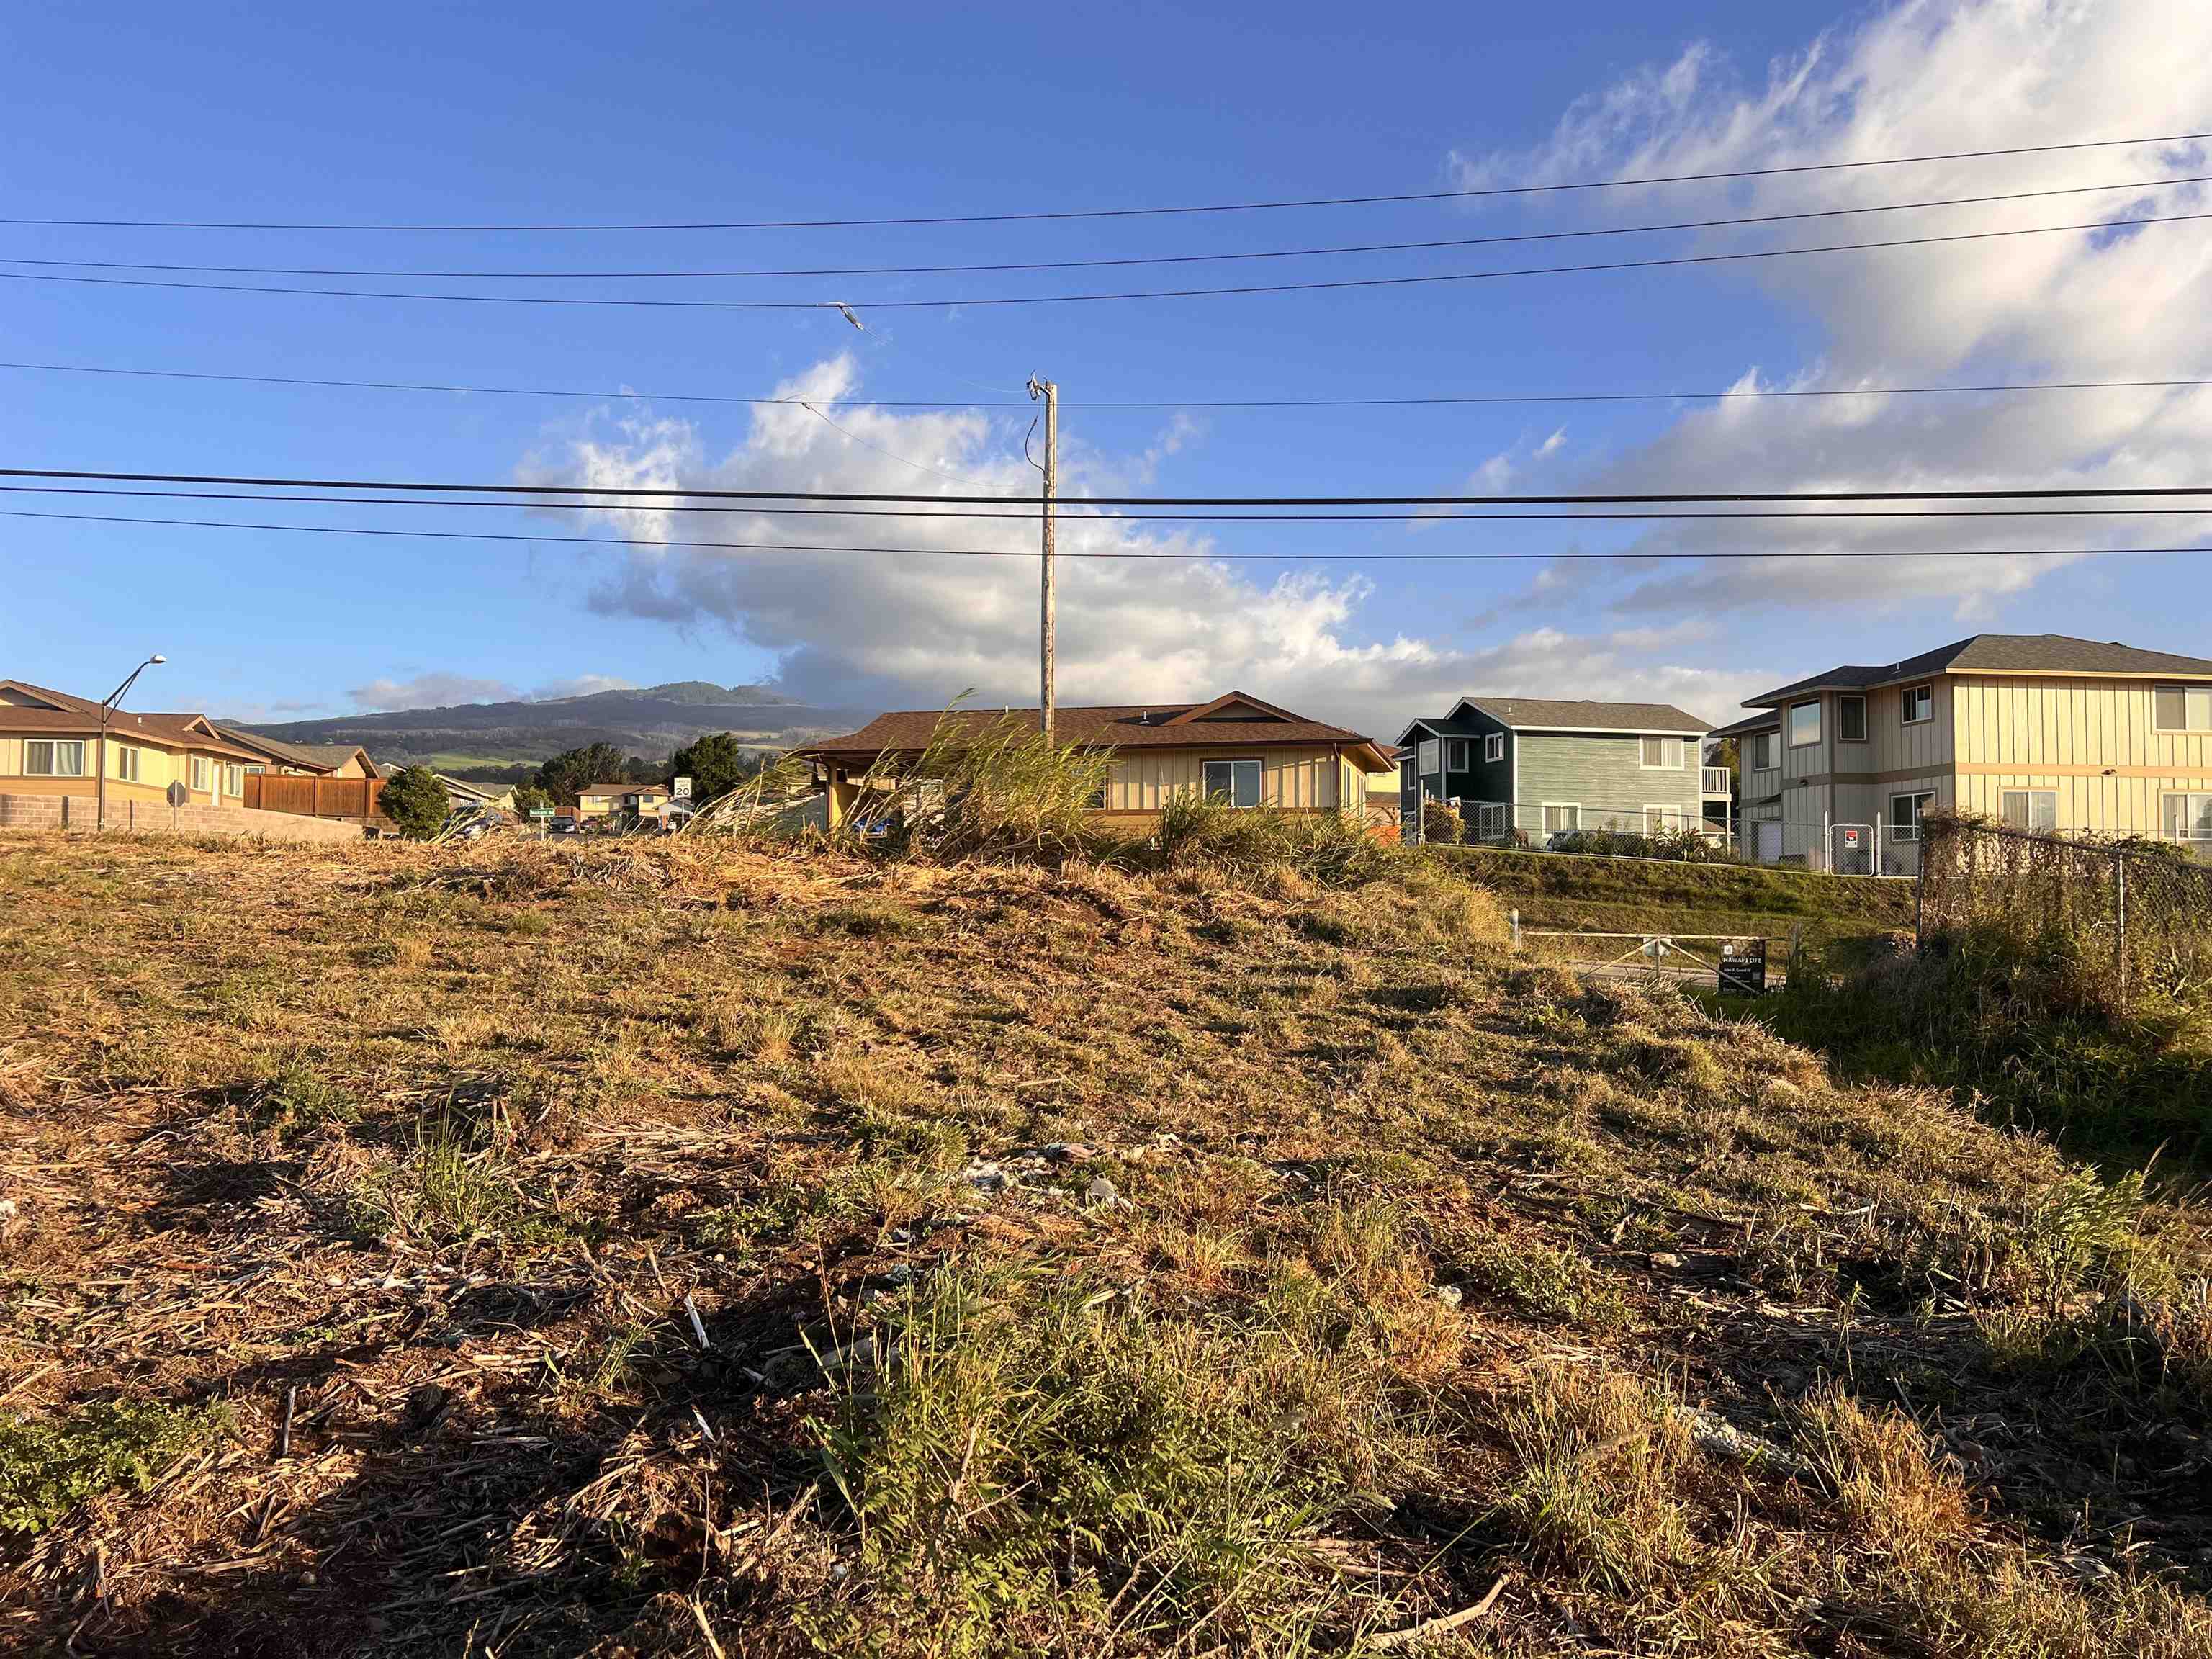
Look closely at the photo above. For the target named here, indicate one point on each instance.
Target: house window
(2183, 707)
(1851, 719)
(1764, 747)
(1657, 819)
(1493, 746)
(1431, 757)
(1662, 754)
(1905, 812)
(2033, 809)
(2186, 817)
(1919, 704)
(126, 762)
(203, 772)
(1456, 755)
(1804, 724)
(1235, 782)
(1562, 820)
(51, 757)
(234, 783)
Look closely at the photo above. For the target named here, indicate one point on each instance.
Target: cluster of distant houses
(64, 760)
(2045, 731)
(1835, 771)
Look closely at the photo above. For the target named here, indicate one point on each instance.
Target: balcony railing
(1716, 781)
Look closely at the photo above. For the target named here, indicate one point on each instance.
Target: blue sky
(690, 112)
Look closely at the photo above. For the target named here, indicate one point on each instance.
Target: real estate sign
(1743, 968)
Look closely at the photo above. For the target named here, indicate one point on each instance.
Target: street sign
(541, 812)
(179, 795)
(681, 789)
(1743, 968)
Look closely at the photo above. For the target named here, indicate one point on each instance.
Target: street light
(108, 706)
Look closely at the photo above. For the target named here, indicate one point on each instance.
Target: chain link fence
(2136, 914)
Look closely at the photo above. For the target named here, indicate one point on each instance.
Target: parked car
(561, 826)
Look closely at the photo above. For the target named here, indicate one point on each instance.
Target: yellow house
(320, 760)
(1236, 749)
(50, 745)
(620, 803)
(2041, 731)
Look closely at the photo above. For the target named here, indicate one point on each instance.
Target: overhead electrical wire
(660, 492)
(1514, 557)
(1248, 289)
(1594, 515)
(1032, 217)
(1726, 394)
(1499, 239)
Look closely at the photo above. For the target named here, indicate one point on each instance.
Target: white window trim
(128, 763)
(2184, 687)
(1544, 816)
(1788, 725)
(2029, 826)
(2187, 819)
(1913, 833)
(1643, 765)
(1668, 809)
(1232, 761)
(1866, 726)
(202, 773)
(1456, 755)
(1904, 702)
(54, 747)
(1493, 748)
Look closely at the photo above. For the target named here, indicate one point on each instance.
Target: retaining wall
(77, 812)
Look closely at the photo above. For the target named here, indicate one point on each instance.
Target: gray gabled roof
(1767, 720)
(2002, 654)
(1558, 714)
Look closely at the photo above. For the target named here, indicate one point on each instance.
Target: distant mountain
(648, 720)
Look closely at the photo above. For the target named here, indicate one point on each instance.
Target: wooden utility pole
(1051, 392)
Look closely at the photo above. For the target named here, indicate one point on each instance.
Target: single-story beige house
(319, 760)
(50, 744)
(1235, 748)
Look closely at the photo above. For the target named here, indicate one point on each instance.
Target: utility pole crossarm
(1050, 391)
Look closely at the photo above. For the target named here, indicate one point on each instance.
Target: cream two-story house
(2042, 731)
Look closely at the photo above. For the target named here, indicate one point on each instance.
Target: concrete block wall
(77, 812)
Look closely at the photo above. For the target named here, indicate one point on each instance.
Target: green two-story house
(1528, 768)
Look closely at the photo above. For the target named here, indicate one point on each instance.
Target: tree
(414, 799)
(573, 770)
(528, 798)
(715, 763)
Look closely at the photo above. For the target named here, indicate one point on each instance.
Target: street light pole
(108, 707)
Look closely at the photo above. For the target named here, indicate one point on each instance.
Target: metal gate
(1851, 850)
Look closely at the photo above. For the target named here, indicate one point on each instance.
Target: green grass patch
(50, 1465)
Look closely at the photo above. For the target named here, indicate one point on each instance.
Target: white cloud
(441, 688)
(912, 630)
(432, 691)
(1918, 79)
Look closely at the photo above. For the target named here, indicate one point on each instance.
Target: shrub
(1678, 845)
(414, 799)
(1331, 847)
(986, 784)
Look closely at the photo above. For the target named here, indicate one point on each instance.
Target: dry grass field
(701, 1248)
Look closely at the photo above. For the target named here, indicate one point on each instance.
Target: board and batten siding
(2093, 743)
(1299, 778)
(1602, 773)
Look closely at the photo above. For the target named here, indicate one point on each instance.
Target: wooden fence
(312, 796)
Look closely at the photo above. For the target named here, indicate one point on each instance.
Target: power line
(671, 492)
(1099, 264)
(1035, 216)
(1594, 515)
(1247, 290)
(1522, 557)
(1726, 394)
